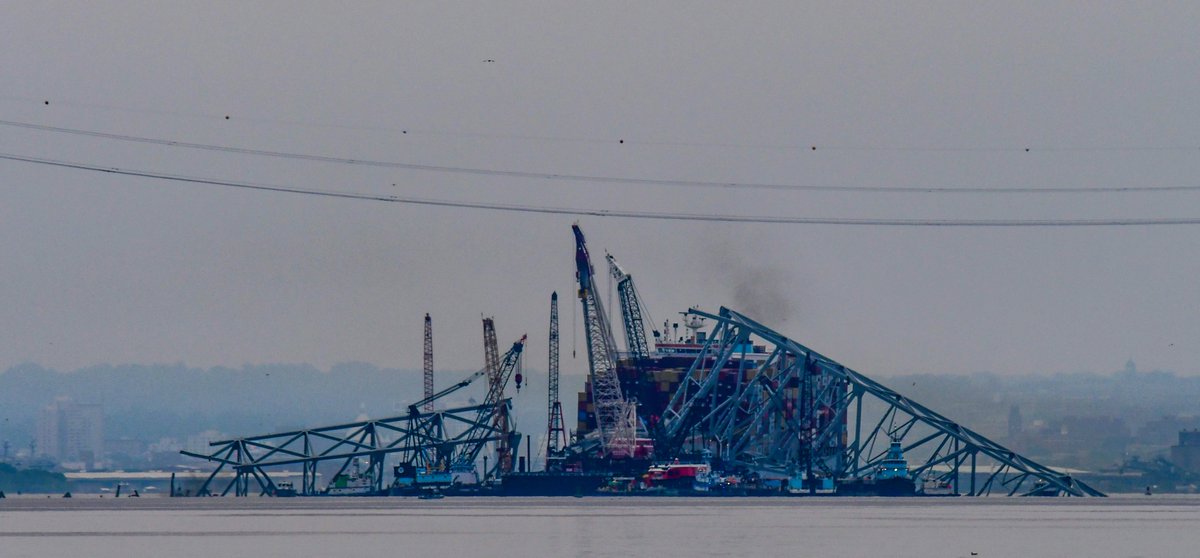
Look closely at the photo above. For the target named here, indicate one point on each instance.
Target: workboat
(678, 476)
(284, 489)
(358, 482)
(890, 477)
(1043, 488)
(933, 487)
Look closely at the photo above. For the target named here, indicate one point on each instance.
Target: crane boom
(428, 362)
(426, 402)
(494, 410)
(497, 380)
(632, 312)
(616, 419)
(556, 434)
(491, 359)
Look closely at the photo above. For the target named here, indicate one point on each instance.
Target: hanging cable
(627, 214)
(632, 141)
(607, 179)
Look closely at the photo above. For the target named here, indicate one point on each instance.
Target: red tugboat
(678, 476)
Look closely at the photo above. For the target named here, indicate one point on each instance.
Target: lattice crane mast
(616, 418)
(498, 374)
(556, 434)
(493, 419)
(632, 312)
(491, 355)
(428, 364)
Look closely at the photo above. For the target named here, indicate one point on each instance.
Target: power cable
(622, 141)
(663, 216)
(602, 179)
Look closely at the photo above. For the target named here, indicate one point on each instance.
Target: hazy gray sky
(100, 268)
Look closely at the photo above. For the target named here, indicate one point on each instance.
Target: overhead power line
(600, 179)
(631, 141)
(652, 215)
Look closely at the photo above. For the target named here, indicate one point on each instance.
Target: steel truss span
(760, 400)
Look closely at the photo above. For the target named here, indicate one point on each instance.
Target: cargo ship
(683, 348)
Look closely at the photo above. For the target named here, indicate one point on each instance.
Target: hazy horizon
(534, 367)
(107, 268)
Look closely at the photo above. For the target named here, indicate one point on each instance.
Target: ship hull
(553, 484)
(871, 487)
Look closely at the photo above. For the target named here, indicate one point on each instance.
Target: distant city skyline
(71, 432)
(150, 413)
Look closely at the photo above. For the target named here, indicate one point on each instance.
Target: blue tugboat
(889, 479)
(893, 466)
(420, 480)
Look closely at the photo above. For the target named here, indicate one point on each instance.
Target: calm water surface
(1154, 526)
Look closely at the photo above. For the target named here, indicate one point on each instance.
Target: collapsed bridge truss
(448, 439)
(753, 397)
(783, 407)
(416, 438)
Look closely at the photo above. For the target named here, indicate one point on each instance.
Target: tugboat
(679, 476)
(420, 479)
(890, 477)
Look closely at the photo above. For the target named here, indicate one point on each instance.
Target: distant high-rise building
(1186, 455)
(1015, 427)
(198, 443)
(71, 432)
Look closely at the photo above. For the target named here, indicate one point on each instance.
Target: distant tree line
(15, 481)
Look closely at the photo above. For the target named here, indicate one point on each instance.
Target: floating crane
(428, 364)
(556, 434)
(616, 418)
(495, 410)
(632, 312)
